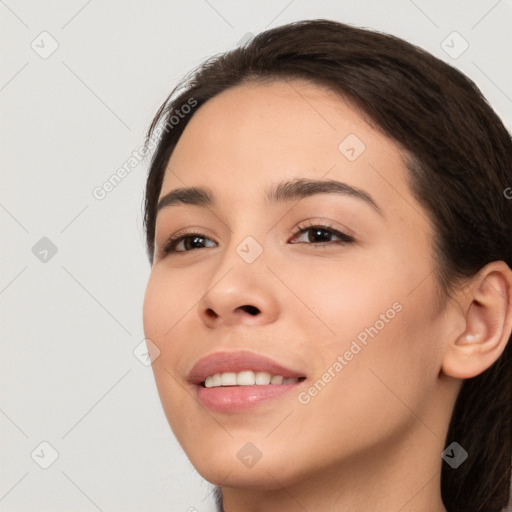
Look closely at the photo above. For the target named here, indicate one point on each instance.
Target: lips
(237, 361)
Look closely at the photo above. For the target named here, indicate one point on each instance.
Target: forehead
(256, 134)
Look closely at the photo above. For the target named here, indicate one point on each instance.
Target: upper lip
(237, 361)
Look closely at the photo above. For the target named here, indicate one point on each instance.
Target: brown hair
(460, 162)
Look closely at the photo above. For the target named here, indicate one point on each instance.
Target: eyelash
(172, 242)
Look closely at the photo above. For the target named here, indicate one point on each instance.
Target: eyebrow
(285, 191)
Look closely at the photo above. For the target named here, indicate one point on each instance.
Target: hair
(459, 157)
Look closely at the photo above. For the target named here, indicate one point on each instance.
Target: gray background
(70, 321)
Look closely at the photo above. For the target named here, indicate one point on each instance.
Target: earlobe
(487, 310)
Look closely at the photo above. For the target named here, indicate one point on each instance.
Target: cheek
(383, 334)
(388, 367)
(167, 300)
(342, 298)
(167, 311)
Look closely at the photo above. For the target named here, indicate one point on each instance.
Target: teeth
(246, 378)
(276, 379)
(263, 378)
(228, 379)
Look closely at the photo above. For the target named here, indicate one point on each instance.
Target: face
(329, 279)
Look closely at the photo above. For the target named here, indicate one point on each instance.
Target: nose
(239, 293)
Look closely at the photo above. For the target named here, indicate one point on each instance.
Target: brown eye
(186, 243)
(322, 235)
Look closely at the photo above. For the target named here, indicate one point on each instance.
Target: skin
(372, 438)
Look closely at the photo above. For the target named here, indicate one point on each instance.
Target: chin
(231, 466)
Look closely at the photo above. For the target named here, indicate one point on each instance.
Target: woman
(331, 291)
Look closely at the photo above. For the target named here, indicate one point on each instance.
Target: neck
(383, 479)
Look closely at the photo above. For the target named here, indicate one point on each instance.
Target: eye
(186, 242)
(321, 234)
(312, 234)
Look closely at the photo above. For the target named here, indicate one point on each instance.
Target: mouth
(234, 381)
(247, 378)
(241, 368)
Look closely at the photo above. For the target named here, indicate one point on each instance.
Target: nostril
(211, 313)
(252, 310)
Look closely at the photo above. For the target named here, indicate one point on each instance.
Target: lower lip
(237, 398)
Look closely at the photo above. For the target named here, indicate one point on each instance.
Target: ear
(486, 307)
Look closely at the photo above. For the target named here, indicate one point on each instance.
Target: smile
(247, 378)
